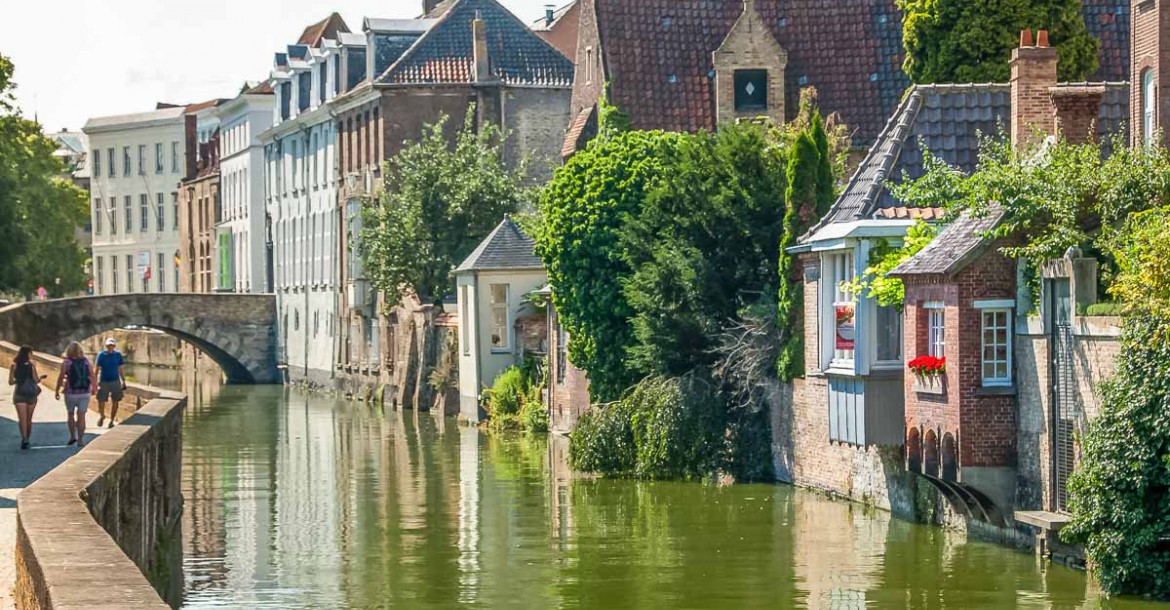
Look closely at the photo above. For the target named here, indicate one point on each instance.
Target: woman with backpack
(24, 376)
(77, 378)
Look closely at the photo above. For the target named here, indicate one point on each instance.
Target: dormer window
(751, 90)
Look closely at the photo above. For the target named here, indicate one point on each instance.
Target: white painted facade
(137, 162)
(300, 192)
(243, 227)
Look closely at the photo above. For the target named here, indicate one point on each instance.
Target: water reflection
(305, 502)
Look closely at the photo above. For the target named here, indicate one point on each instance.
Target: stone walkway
(19, 468)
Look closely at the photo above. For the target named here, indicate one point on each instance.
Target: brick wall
(563, 35)
(1033, 73)
(1150, 49)
(569, 397)
(536, 120)
(589, 77)
(1076, 112)
(749, 45)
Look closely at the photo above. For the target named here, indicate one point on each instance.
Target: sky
(76, 59)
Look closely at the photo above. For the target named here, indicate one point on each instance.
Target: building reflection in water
(302, 501)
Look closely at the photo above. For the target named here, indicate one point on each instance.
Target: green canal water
(300, 501)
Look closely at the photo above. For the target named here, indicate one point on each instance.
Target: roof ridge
(413, 48)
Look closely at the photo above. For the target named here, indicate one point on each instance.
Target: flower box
(930, 384)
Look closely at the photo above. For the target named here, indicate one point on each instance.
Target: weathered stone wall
(1096, 343)
(140, 347)
(102, 530)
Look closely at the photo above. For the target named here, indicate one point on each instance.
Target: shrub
(603, 441)
(1105, 309)
(1120, 493)
(507, 394)
(534, 413)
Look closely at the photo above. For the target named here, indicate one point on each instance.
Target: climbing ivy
(883, 258)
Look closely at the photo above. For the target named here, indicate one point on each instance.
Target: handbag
(30, 387)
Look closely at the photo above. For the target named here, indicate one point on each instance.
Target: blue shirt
(108, 363)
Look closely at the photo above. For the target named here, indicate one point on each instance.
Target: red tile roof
(326, 28)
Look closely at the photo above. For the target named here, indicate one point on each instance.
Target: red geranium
(928, 365)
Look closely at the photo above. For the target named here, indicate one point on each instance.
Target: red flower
(928, 365)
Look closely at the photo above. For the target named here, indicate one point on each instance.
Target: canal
(298, 501)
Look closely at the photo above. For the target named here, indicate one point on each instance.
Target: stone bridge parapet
(238, 331)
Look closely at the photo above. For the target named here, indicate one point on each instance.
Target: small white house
(491, 286)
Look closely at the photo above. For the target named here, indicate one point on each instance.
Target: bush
(603, 441)
(515, 400)
(1105, 309)
(507, 393)
(534, 413)
(1120, 493)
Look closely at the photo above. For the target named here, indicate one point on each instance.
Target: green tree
(440, 200)
(960, 41)
(585, 208)
(40, 212)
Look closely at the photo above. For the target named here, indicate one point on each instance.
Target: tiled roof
(947, 120)
(1108, 22)
(580, 131)
(398, 26)
(516, 55)
(261, 88)
(959, 243)
(658, 57)
(506, 247)
(328, 27)
(544, 25)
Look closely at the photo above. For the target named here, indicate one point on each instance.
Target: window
(160, 161)
(97, 162)
(162, 276)
(110, 162)
(126, 209)
(889, 334)
(161, 212)
(125, 160)
(129, 273)
(840, 312)
(936, 326)
(143, 212)
(562, 352)
(499, 295)
(114, 274)
(465, 318)
(996, 355)
(1149, 99)
(175, 205)
(113, 214)
(588, 65)
(141, 159)
(174, 157)
(97, 276)
(97, 216)
(751, 90)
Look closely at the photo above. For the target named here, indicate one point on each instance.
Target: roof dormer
(749, 70)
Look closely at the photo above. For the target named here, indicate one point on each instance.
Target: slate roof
(947, 120)
(506, 247)
(658, 59)
(1108, 22)
(516, 55)
(959, 243)
(132, 120)
(398, 26)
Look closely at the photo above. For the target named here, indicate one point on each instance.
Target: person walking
(24, 376)
(77, 378)
(111, 381)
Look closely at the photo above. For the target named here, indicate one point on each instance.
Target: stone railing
(102, 530)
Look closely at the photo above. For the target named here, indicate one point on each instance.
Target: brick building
(459, 55)
(856, 397)
(199, 204)
(559, 27)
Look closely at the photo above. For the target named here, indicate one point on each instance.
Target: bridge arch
(237, 331)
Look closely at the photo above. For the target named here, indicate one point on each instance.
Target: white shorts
(78, 402)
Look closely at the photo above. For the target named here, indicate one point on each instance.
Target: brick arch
(914, 450)
(237, 331)
(930, 453)
(950, 457)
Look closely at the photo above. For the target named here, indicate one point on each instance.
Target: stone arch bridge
(238, 331)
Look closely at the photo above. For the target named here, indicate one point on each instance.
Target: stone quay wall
(145, 347)
(102, 531)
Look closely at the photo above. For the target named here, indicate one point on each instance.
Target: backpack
(78, 375)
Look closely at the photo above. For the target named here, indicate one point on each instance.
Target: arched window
(1149, 97)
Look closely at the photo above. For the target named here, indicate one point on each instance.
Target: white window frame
(506, 336)
(1149, 99)
(465, 318)
(1004, 307)
(837, 266)
(936, 329)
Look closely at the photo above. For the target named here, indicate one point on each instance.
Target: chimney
(1077, 108)
(550, 12)
(1033, 76)
(480, 50)
(428, 6)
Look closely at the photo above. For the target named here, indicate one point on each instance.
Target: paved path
(19, 468)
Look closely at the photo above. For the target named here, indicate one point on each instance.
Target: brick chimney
(480, 50)
(1033, 76)
(1077, 108)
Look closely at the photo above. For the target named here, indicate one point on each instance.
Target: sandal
(71, 441)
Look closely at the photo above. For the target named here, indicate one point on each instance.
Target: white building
(136, 162)
(300, 191)
(241, 241)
